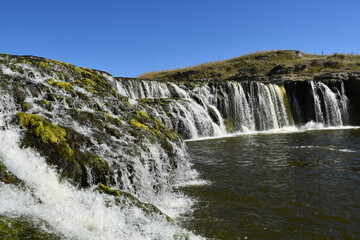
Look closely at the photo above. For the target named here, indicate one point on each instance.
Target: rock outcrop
(76, 120)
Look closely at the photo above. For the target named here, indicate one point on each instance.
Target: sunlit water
(300, 185)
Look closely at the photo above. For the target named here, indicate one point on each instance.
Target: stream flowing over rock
(86, 155)
(214, 108)
(78, 161)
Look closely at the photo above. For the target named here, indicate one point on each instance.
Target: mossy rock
(135, 123)
(25, 106)
(74, 154)
(230, 126)
(7, 177)
(37, 125)
(93, 82)
(128, 199)
(88, 84)
(213, 115)
(64, 85)
(51, 141)
(105, 189)
(21, 228)
(181, 236)
(44, 64)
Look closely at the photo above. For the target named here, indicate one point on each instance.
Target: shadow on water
(281, 186)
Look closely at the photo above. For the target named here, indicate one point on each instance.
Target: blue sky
(127, 38)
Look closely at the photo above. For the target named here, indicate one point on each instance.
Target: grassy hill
(264, 66)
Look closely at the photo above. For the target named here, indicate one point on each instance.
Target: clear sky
(130, 37)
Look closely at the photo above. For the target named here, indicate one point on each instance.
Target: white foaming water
(73, 213)
(311, 126)
(78, 214)
(347, 150)
(328, 148)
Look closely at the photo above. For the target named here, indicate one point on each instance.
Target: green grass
(259, 64)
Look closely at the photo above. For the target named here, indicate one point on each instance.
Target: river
(299, 185)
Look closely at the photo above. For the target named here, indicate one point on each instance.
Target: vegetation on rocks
(77, 120)
(122, 197)
(21, 228)
(52, 120)
(7, 177)
(264, 66)
(49, 133)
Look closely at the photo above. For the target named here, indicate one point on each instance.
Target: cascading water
(124, 134)
(72, 206)
(254, 106)
(321, 102)
(72, 213)
(216, 108)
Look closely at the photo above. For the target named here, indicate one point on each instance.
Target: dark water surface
(302, 185)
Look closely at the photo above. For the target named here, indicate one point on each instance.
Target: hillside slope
(264, 66)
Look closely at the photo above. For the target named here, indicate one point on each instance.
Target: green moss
(99, 161)
(88, 84)
(20, 228)
(105, 189)
(62, 64)
(108, 115)
(171, 136)
(45, 102)
(47, 132)
(60, 76)
(66, 86)
(51, 81)
(7, 177)
(135, 123)
(119, 120)
(142, 114)
(27, 61)
(65, 151)
(25, 106)
(78, 70)
(44, 64)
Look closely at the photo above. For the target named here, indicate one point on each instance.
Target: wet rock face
(352, 88)
(7, 177)
(22, 228)
(351, 82)
(77, 120)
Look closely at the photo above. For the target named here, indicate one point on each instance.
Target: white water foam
(310, 126)
(331, 148)
(74, 213)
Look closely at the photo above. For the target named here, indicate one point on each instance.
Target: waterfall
(74, 213)
(216, 108)
(121, 131)
(177, 107)
(136, 88)
(60, 195)
(321, 102)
